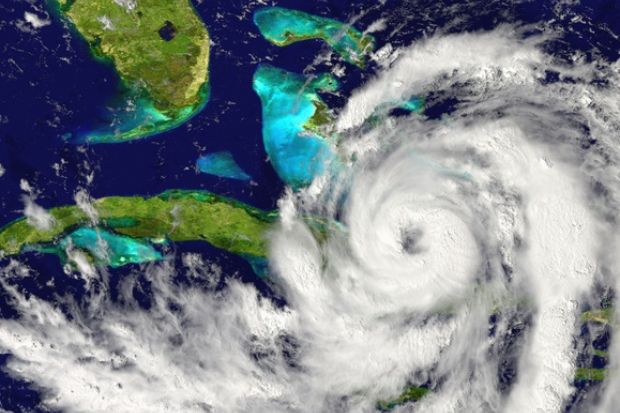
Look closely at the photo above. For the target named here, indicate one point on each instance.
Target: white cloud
(36, 21)
(85, 203)
(36, 215)
(128, 5)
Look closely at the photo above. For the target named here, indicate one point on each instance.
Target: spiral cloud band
(468, 243)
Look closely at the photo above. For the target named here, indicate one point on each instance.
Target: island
(160, 50)
(295, 120)
(410, 394)
(282, 27)
(130, 226)
(590, 374)
(601, 315)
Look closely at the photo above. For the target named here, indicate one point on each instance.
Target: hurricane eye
(410, 240)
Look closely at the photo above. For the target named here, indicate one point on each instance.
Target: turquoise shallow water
(221, 164)
(289, 102)
(284, 26)
(132, 116)
(106, 247)
(414, 104)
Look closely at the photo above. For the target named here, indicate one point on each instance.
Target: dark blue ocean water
(50, 85)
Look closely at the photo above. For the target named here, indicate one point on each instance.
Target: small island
(590, 374)
(160, 50)
(282, 27)
(130, 226)
(410, 394)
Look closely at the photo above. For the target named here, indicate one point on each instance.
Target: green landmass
(160, 49)
(176, 215)
(602, 316)
(599, 353)
(590, 374)
(410, 394)
(283, 26)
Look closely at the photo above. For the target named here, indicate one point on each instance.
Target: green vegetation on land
(176, 215)
(602, 316)
(590, 374)
(160, 49)
(411, 394)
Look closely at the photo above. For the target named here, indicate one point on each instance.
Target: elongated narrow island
(160, 50)
(410, 394)
(129, 226)
(283, 26)
(590, 374)
(294, 117)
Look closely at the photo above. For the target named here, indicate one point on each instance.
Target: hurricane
(461, 255)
